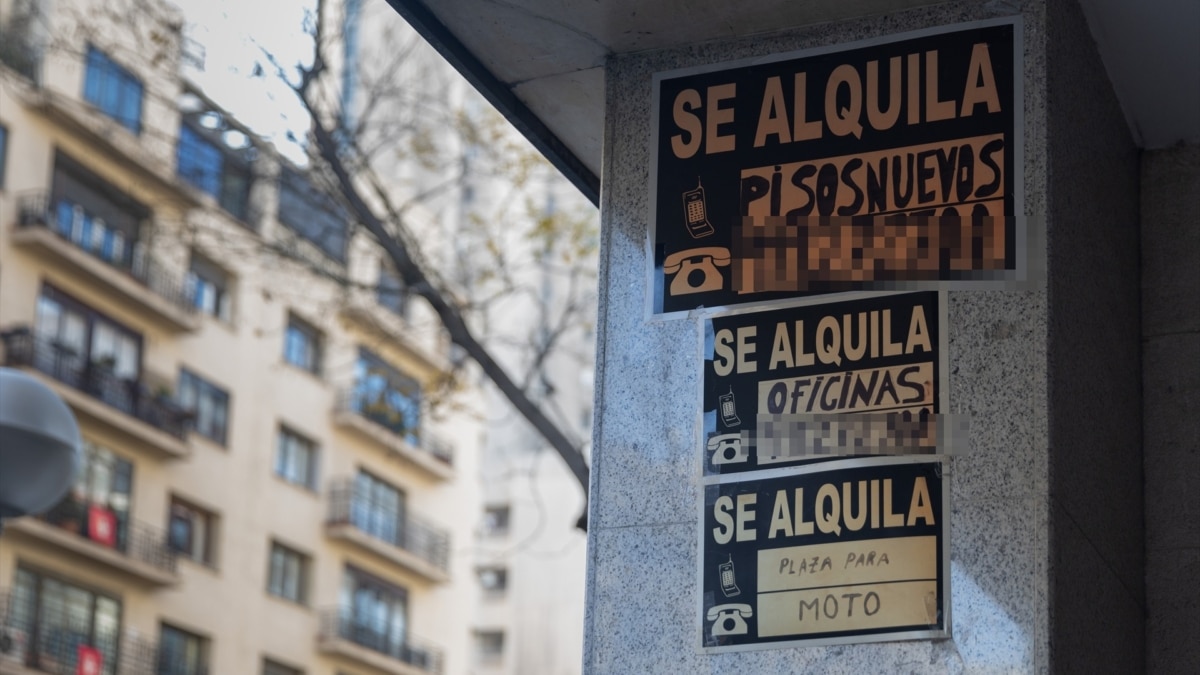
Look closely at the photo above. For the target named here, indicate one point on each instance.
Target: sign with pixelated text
(892, 163)
(852, 377)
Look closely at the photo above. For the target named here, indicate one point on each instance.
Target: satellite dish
(40, 448)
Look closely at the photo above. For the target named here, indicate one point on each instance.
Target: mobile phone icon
(728, 579)
(695, 212)
(729, 409)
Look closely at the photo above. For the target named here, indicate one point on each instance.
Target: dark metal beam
(499, 95)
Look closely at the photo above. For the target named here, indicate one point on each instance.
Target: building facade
(536, 311)
(266, 487)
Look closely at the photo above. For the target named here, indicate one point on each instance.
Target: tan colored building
(266, 489)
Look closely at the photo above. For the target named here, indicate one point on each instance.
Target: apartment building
(266, 486)
(527, 553)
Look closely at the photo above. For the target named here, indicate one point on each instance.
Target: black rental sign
(824, 509)
(837, 552)
(894, 163)
(853, 377)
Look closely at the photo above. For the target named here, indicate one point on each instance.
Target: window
(3, 152)
(191, 531)
(275, 668)
(387, 397)
(390, 292)
(181, 652)
(312, 214)
(85, 349)
(60, 621)
(97, 507)
(201, 159)
(375, 614)
(296, 459)
(489, 647)
(94, 215)
(377, 508)
(495, 520)
(209, 403)
(302, 345)
(208, 286)
(493, 580)
(288, 574)
(113, 90)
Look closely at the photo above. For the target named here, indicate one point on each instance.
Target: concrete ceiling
(542, 61)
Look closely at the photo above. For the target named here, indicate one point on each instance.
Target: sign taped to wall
(788, 386)
(824, 510)
(892, 163)
(853, 550)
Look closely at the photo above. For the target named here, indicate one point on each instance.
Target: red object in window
(89, 660)
(102, 526)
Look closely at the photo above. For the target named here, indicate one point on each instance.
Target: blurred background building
(278, 478)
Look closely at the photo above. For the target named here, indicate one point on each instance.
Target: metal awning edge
(499, 95)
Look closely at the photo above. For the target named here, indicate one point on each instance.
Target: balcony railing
(349, 505)
(38, 210)
(130, 396)
(392, 419)
(63, 647)
(344, 624)
(137, 540)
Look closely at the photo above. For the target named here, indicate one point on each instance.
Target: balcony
(418, 546)
(127, 406)
(32, 647)
(124, 268)
(384, 425)
(360, 640)
(101, 536)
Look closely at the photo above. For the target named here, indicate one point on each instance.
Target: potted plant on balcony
(386, 414)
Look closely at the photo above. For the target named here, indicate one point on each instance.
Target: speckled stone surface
(642, 597)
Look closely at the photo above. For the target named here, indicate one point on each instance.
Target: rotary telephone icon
(730, 619)
(696, 270)
(728, 449)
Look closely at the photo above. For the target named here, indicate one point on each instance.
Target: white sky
(234, 34)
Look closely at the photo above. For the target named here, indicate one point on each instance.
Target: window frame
(278, 587)
(366, 595)
(379, 508)
(112, 75)
(312, 344)
(388, 396)
(92, 321)
(501, 575)
(502, 525)
(202, 274)
(202, 161)
(202, 645)
(202, 550)
(486, 656)
(203, 386)
(38, 599)
(390, 291)
(281, 463)
(313, 215)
